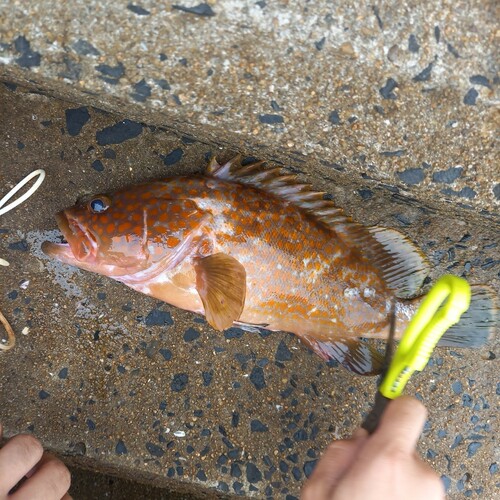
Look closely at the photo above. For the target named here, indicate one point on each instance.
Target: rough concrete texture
(113, 380)
(403, 93)
(89, 485)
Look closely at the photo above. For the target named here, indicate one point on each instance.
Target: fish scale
(304, 268)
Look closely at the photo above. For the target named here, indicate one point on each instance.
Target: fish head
(110, 234)
(143, 229)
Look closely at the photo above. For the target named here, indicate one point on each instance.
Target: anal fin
(221, 284)
(353, 354)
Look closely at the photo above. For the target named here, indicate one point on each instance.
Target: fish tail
(477, 325)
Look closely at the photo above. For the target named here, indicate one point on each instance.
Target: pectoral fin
(221, 284)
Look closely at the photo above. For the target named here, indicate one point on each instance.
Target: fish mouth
(79, 243)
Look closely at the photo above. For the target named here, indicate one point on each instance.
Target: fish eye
(99, 204)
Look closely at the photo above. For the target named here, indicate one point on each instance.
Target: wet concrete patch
(118, 133)
(108, 377)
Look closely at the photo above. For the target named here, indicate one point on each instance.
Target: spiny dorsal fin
(283, 185)
(402, 264)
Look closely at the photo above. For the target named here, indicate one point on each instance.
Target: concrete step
(400, 93)
(96, 378)
(91, 485)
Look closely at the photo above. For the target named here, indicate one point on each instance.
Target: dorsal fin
(286, 187)
(402, 265)
(408, 268)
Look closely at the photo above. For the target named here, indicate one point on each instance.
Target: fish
(253, 246)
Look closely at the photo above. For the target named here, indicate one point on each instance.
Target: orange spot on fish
(110, 228)
(205, 248)
(192, 223)
(172, 241)
(124, 226)
(155, 238)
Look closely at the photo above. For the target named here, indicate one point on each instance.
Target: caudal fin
(477, 324)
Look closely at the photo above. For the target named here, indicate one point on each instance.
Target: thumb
(336, 460)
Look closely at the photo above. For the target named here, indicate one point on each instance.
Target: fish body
(298, 278)
(247, 245)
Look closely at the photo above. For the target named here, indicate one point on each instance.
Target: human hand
(43, 476)
(382, 466)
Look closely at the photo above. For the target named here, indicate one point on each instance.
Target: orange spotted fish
(250, 246)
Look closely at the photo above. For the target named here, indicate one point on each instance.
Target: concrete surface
(89, 485)
(115, 381)
(402, 92)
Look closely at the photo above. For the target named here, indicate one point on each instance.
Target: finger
(400, 426)
(336, 460)
(17, 457)
(430, 484)
(51, 480)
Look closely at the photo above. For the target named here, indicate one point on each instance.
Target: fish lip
(81, 243)
(61, 251)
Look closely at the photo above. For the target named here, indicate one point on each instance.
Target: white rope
(3, 210)
(11, 342)
(41, 176)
